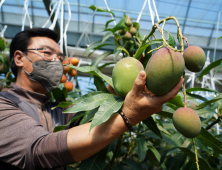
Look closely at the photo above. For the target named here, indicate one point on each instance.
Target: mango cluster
(70, 71)
(127, 35)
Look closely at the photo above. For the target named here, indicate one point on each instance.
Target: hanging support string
(109, 10)
(3, 31)
(83, 33)
(59, 6)
(3, 28)
(144, 4)
(151, 11)
(26, 13)
(2, 1)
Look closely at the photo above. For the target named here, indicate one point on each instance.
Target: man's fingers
(139, 83)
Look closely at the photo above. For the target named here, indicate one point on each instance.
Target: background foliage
(154, 143)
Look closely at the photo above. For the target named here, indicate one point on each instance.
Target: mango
(164, 69)
(122, 31)
(187, 122)
(132, 31)
(195, 58)
(127, 36)
(124, 74)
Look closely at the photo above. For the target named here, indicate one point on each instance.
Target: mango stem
(195, 149)
(184, 91)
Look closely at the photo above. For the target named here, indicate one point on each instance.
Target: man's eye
(48, 52)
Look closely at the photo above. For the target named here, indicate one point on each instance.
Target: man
(26, 141)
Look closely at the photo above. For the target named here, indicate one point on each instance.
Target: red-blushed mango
(124, 74)
(164, 70)
(187, 122)
(195, 58)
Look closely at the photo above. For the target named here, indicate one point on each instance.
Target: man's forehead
(37, 42)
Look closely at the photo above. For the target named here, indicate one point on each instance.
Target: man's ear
(18, 58)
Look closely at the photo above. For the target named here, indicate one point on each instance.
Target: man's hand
(139, 103)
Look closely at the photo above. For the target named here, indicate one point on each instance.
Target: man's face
(37, 55)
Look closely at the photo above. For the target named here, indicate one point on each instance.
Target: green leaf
(204, 104)
(218, 68)
(94, 71)
(116, 55)
(89, 103)
(206, 112)
(123, 49)
(177, 101)
(202, 163)
(165, 114)
(94, 162)
(201, 89)
(98, 47)
(107, 23)
(209, 67)
(88, 116)
(140, 36)
(132, 164)
(111, 105)
(2, 44)
(176, 139)
(153, 155)
(165, 152)
(59, 95)
(171, 40)
(136, 25)
(75, 117)
(149, 133)
(142, 148)
(86, 96)
(178, 160)
(220, 37)
(197, 96)
(104, 65)
(100, 85)
(106, 36)
(100, 58)
(190, 165)
(120, 25)
(92, 46)
(210, 140)
(143, 47)
(150, 123)
(147, 56)
(200, 144)
(63, 105)
(93, 7)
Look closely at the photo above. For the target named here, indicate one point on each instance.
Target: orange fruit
(64, 78)
(74, 61)
(73, 72)
(66, 68)
(69, 86)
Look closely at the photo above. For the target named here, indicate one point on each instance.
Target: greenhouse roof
(198, 18)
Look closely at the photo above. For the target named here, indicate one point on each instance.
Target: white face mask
(48, 73)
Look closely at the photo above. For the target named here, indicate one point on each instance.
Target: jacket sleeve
(25, 144)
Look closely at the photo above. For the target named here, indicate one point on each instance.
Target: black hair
(22, 40)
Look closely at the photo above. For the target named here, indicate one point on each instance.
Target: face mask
(47, 73)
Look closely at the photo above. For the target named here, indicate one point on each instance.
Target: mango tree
(162, 141)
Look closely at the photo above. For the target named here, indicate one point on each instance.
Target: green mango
(124, 74)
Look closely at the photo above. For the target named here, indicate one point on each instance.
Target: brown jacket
(27, 144)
